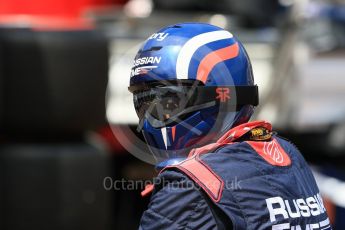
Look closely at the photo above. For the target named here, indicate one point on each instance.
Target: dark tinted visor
(162, 103)
(166, 102)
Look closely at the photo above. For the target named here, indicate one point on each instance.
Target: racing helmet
(191, 83)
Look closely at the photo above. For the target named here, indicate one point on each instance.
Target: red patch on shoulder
(271, 151)
(203, 175)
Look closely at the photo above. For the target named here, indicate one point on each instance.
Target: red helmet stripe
(215, 57)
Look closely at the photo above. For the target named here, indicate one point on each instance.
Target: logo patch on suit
(271, 151)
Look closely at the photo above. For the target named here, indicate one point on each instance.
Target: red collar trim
(231, 136)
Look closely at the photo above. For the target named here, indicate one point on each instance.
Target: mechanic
(194, 93)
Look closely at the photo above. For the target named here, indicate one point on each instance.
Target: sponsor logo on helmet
(223, 94)
(151, 63)
(158, 36)
(147, 60)
(142, 70)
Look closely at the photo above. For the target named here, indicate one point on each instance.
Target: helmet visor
(167, 104)
(162, 103)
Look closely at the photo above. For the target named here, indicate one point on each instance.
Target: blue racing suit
(249, 179)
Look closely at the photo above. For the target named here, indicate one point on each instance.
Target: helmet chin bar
(166, 156)
(190, 132)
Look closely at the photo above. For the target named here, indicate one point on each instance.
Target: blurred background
(64, 70)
